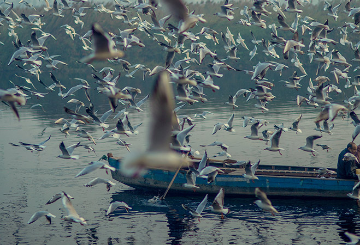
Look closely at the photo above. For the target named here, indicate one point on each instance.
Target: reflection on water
(29, 179)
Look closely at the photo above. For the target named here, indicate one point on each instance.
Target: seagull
(93, 166)
(39, 214)
(217, 127)
(218, 204)
(103, 46)
(250, 170)
(82, 133)
(247, 120)
(199, 209)
(99, 121)
(295, 125)
(254, 132)
(229, 125)
(190, 180)
(263, 202)
(274, 140)
(211, 173)
(324, 147)
(309, 147)
(38, 147)
(72, 216)
(116, 205)
(253, 52)
(67, 152)
(74, 89)
(203, 114)
(350, 157)
(11, 97)
(95, 181)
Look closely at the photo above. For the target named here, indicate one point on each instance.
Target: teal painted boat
(275, 180)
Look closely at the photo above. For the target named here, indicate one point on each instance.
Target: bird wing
(41, 143)
(202, 163)
(181, 135)
(69, 207)
(354, 117)
(63, 149)
(231, 119)
(254, 128)
(248, 168)
(190, 178)
(120, 125)
(262, 196)
(218, 202)
(162, 106)
(92, 167)
(275, 138)
(70, 149)
(254, 167)
(106, 115)
(202, 205)
(310, 140)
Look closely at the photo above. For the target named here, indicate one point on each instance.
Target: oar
(172, 181)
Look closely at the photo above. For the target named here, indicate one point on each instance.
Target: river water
(29, 179)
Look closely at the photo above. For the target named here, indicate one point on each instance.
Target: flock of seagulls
(185, 56)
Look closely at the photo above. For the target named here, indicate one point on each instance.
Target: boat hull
(285, 186)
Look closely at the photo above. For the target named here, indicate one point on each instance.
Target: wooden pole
(171, 182)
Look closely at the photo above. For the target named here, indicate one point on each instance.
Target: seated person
(347, 169)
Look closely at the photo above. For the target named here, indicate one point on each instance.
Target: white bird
(84, 134)
(190, 180)
(12, 96)
(96, 181)
(72, 216)
(67, 152)
(103, 46)
(263, 202)
(74, 89)
(247, 120)
(203, 114)
(210, 172)
(254, 132)
(116, 205)
(199, 209)
(158, 154)
(274, 142)
(229, 125)
(217, 127)
(38, 147)
(295, 125)
(350, 157)
(250, 170)
(309, 146)
(253, 53)
(218, 204)
(93, 166)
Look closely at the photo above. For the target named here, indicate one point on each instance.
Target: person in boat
(358, 153)
(347, 169)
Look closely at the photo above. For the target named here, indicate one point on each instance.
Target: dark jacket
(345, 168)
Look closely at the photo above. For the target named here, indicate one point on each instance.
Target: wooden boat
(275, 180)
